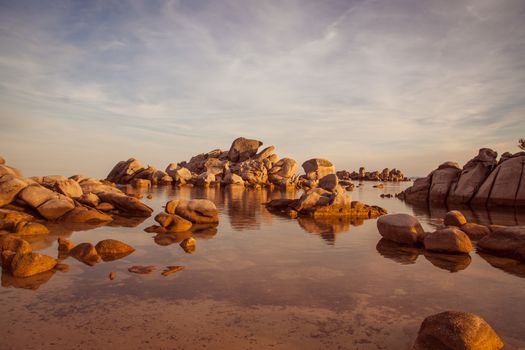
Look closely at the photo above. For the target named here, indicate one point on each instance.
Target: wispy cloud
(374, 83)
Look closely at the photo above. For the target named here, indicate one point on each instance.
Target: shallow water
(259, 280)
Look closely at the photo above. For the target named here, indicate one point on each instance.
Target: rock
(233, 179)
(310, 200)
(214, 166)
(6, 259)
(173, 223)
(123, 172)
(329, 182)
(205, 179)
(442, 179)
(400, 228)
(243, 149)
(89, 199)
(61, 267)
(454, 330)
(29, 264)
(475, 231)
(86, 253)
(506, 241)
(418, 192)
(454, 218)
(27, 228)
(96, 187)
(2, 160)
(14, 244)
(10, 186)
(112, 275)
(253, 172)
(198, 211)
(189, 245)
(85, 215)
(64, 246)
(127, 205)
(450, 240)
(179, 174)
(112, 249)
(317, 168)
(36, 195)
(141, 183)
(69, 188)
(7, 170)
(285, 168)
(172, 269)
(55, 208)
(142, 269)
(379, 186)
(472, 176)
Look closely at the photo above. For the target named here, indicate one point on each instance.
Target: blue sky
(389, 83)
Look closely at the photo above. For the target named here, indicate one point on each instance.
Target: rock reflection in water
(328, 227)
(479, 215)
(165, 239)
(510, 266)
(449, 262)
(32, 282)
(399, 253)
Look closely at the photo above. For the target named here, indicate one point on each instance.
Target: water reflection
(449, 262)
(31, 282)
(399, 253)
(510, 266)
(328, 228)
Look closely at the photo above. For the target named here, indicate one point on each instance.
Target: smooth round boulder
(198, 211)
(475, 231)
(112, 249)
(29, 264)
(449, 240)
(455, 330)
(454, 218)
(400, 228)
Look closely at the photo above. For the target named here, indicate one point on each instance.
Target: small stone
(142, 269)
(189, 245)
(172, 269)
(112, 275)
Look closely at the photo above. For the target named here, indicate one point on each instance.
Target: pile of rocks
(385, 175)
(483, 181)
(181, 215)
(105, 250)
(456, 236)
(78, 199)
(329, 199)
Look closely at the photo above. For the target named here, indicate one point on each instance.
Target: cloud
(374, 83)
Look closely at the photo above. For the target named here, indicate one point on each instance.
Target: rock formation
(384, 175)
(483, 181)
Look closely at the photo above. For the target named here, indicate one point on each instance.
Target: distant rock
(454, 330)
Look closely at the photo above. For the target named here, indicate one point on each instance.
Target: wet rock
(243, 149)
(449, 240)
(454, 330)
(172, 269)
(317, 168)
(27, 228)
(198, 211)
(86, 253)
(506, 241)
(112, 275)
(475, 231)
(454, 218)
(143, 270)
(55, 208)
(189, 245)
(127, 205)
(10, 186)
(6, 259)
(15, 244)
(69, 188)
(29, 264)
(86, 215)
(400, 228)
(112, 249)
(418, 192)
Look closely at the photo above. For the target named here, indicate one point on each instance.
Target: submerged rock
(172, 269)
(454, 330)
(400, 228)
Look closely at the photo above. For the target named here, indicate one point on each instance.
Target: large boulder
(198, 211)
(317, 168)
(418, 192)
(36, 195)
(81, 214)
(232, 179)
(124, 171)
(475, 231)
(448, 240)
(454, 218)
(129, 206)
(505, 241)
(253, 172)
(454, 330)
(214, 166)
(284, 168)
(442, 179)
(265, 153)
(55, 208)
(400, 228)
(96, 186)
(28, 228)
(180, 175)
(329, 182)
(505, 185)
(29, 264)
(69, 187)
(10, 186)
(473, 175)
(173, 223)
(243, 149)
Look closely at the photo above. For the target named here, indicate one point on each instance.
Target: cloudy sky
(386, 83)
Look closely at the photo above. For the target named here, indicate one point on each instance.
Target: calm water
(261, 281)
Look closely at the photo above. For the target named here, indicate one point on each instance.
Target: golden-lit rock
(189, 245)
(400, 228)
(55, 208)
(448, 240)
(64, 246)
(454, 218)
(86, 253)
(112, 249)
(27, 228)
(15, 244)
(126, 205)
(10, 186)
(29, 264)
(198, 211)
(81, 214)
(172, 269)
(142, 269)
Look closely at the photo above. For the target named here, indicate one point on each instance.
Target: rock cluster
(105, 250)
(77, 199)
(483, 181)
(386, 174)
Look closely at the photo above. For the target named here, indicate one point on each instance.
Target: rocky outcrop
(481, 182)
(125, 172)
(454, 330)
(384, 175)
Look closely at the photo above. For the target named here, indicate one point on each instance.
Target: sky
(375, 83)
